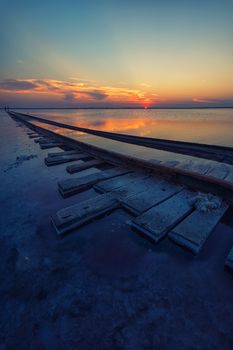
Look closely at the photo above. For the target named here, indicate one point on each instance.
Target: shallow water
(104, 274)
(211, 126)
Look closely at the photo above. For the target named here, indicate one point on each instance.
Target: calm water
(212, 126)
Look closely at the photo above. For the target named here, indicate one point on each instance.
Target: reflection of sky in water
(213, 126)
(121, 147)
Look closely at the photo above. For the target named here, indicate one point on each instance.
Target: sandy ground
(101, 287)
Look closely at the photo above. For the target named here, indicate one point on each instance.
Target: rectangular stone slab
(229, 260)
(49, 161)
(76, 215)
(64, 153)
(159, 220)
(193, 231)
(74, 168)
(112, 184)
(140, 185)
(155, 193)
(71, 186)
(48, 145)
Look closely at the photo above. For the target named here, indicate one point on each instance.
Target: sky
(124, 53)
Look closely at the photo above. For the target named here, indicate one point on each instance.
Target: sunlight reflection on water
(212, 126)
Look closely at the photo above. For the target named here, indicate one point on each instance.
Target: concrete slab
(193, 231)
(74, 168)
(159, 220)
(112, 184)
(55, 160)
(71, 186)
(55, 154)
(74, 216)
(130, 189)
(156, 191)
(48, 145)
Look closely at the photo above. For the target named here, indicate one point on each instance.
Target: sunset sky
(116, 53)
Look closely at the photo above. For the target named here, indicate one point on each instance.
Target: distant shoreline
(158, 108)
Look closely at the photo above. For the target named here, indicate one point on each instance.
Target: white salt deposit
(206, 202)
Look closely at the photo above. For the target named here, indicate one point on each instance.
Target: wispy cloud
(79, 92)
(202, 100)
(17, 85)
(82, 79)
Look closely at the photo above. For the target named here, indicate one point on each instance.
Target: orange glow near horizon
(91, 93)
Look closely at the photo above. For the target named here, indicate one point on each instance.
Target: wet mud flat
(103, 286)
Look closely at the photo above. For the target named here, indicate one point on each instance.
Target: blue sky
(180, 50)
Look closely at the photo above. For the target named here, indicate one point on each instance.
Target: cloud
(69, 97)
(145, 85)
(13, 84)
(70, 92)
(82, 79)
(201, 100)
(98, 95)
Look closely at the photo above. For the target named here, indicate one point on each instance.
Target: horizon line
(127, 107)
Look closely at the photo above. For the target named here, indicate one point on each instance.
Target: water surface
(211, 126)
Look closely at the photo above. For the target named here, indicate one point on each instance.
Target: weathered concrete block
(55, 160)
(193, 231)
(48, 145)
(79, 167)
(71, 186)
(112, 184)
(159, 220)
(64, 153)
(74, 216)
(155, 192)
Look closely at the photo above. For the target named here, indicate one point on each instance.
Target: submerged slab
(155, 192)
(89, 164)
(159, 220)
(49, 161)
(112, 184)
(71, 186)
(132, 188)
(229, 260)
(48, 145)
(63, 153)
(192, 232)
(76, 215)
